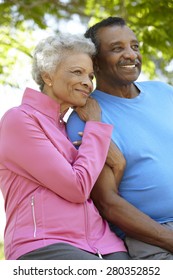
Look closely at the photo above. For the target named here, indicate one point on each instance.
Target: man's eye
(117, 49)
(135, 47)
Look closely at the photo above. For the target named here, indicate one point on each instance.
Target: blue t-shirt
(143, 131)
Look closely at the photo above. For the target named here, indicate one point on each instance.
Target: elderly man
(141, 208)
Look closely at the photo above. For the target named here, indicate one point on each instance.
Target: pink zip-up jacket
(46, 182)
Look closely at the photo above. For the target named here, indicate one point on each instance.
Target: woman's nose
(87, 82)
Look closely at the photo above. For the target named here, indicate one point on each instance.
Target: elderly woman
(45, 181)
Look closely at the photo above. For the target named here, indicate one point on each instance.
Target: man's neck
(124, 91)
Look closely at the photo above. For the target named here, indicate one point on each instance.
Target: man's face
(119, 59)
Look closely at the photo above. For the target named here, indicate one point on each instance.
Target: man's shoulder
(97, 92)
(154, 86)
(74, 126)
(155, 83)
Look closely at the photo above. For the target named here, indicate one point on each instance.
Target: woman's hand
(90, 112)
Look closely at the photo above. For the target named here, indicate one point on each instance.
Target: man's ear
(96, 64)
(47, 79)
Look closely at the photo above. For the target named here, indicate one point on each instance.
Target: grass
(1, 250)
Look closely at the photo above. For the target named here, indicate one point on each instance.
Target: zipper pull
(32, 201)
(98, 253)
(33, 215)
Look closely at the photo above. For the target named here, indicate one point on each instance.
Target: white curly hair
(50, 52)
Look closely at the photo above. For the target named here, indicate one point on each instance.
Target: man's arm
(113, 207)
(129, 219)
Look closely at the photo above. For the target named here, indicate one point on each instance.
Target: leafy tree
(150, 19)
(19, 19)
(152, 22)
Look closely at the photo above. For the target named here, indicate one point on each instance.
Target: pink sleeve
(28, 152)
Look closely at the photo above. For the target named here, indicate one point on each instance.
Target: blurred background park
(24, 22)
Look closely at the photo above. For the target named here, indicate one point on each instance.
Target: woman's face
(71, 83)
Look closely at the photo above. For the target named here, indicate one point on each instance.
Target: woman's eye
(78, 72)
(91, 77)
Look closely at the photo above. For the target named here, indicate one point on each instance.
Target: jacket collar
(42, 103)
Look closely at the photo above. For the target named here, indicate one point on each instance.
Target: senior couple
(89, 198)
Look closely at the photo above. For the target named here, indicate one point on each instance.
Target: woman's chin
(81, 103)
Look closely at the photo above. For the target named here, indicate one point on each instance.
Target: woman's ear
(47, 79)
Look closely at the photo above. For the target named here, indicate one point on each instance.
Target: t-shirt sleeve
(74, 125)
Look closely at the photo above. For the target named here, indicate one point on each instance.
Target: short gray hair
(50, 51)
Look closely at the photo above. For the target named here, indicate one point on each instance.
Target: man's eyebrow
(115, 43)
(120, 42)
(134, 41)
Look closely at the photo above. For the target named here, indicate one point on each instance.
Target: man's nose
(130, 53)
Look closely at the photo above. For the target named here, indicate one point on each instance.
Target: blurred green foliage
(151, 21)
(1, 250)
